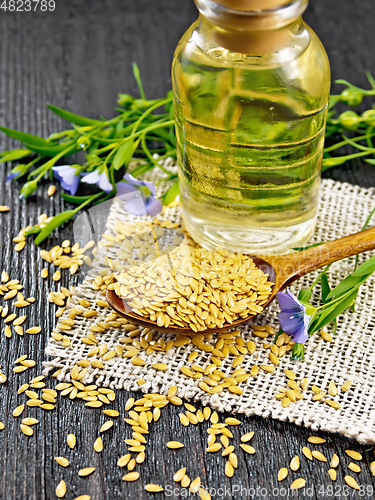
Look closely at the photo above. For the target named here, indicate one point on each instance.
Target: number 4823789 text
(27, 5)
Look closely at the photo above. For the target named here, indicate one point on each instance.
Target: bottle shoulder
(198, 45)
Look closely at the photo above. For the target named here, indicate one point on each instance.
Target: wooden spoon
(282, 270)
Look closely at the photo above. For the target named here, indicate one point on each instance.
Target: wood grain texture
(79, 57)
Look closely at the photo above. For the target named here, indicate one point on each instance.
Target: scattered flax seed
(204, 494)
(354, 454)
(132, 476)
(298, 483)
(213, 448)
(23, 388)
(20, 246)
(354, 467)
(184, 420)
(229, 470)
(319, 396)
(153, 488)
(34, 329)
(86, 472)
(44, 273)
(307, 452)
(268, 368)
(106, 426)
(304, 383)
(111, 413)
(291, 375)
(335, 460)
(83, 497)
(2, 426)
(30, 421)
(326, 336)
(51, 190)
(333, 404)
(295, 463)
(178, 476)
(185, 481)
(282, 474)
(332, 474)
(350, 481)
(316, 440)
(319, 456)
(247, 437)
(64, 462)
(372, 467)
(17, 411)
(346, 385)
(248, 449)
(98, 445)
(123, 461)
(174, 445)
(61, 489)
(194, 485)
(232, 421)
(332, 389)
(26, 430)
(4, 208)
(160, 366)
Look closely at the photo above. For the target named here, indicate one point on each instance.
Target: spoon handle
(291, 267)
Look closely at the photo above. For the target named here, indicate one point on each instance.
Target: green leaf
(325, 287)
(171, 194)
(345, 285)
(367, 267)
(77, 200)
(298, 352)
(305, 294)
(16, 154)
(56, 222)
(137, 76)
(73, 118)
(33, 230)
(142, 169)
(53, 150)
(277, 335)
(124, 154)
(33, 140)
(330, 313)
(299, 249)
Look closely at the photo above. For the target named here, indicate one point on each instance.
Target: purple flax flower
(293, 318)
(13, 173)
(68, 178)
(100, 180)
(139, 196)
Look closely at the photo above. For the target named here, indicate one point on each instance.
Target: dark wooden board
(79, 57)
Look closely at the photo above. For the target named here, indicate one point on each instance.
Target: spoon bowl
(281, 269)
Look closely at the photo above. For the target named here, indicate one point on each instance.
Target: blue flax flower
(68, 178)
(139, 196)
(100, 179)
(293, 318)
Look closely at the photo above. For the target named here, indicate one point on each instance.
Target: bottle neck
(237, 25)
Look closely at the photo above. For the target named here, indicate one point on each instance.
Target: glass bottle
(251, 84)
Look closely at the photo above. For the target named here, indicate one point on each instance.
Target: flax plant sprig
(300, 319)
(349, 128)
(141, 128)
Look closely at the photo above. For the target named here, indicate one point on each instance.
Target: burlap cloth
(351, 355)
